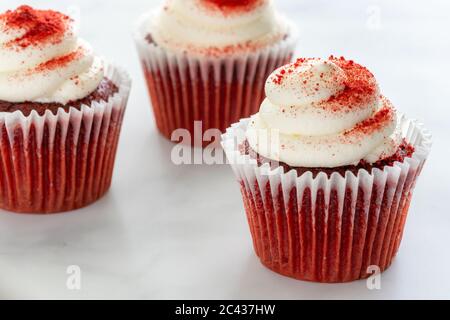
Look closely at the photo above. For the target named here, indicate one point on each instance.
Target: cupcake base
(327, 228)
(180, 96)
(322, 242)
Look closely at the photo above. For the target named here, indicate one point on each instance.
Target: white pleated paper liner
(59, 162)
(327, 229)
(185, 87)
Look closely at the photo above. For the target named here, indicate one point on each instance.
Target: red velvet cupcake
(327, 170)
(61, 110)
(206, 61)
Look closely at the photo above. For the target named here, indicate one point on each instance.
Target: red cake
(104, 91)
(61, 110)
(405, 150)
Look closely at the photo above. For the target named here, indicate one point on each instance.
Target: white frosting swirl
(324, 113)
(204, 27)
(59, 68)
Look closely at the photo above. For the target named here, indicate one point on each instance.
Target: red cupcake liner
(214, 91)
(63, 161)
(327, 229)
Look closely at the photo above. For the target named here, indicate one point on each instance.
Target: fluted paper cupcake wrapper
(327, 228)
(185, 88)
(63, 161)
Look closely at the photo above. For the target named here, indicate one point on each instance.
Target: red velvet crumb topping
(59, 61)
(279, 77)
(232, 6)
(405, 150)
(360, 86)
(41, 26)
(374, 123)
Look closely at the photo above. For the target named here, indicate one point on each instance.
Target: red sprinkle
(248, 46)
(59, 61)
(278, 79)
(41, 26)
(232, 6)
(374, 123)
(360, 87)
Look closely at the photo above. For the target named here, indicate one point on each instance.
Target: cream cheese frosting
(324, 113)
(43, 60)
(213, 27)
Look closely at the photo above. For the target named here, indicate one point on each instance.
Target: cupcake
(327, 169)
(206, 61)
(61, 110)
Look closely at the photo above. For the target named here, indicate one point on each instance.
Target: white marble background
(180, 232)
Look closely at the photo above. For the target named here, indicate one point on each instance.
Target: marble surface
(166, 231)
